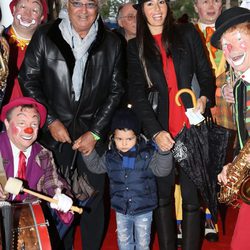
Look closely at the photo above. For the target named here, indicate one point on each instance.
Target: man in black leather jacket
(75, 67)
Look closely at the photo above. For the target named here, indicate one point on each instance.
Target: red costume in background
(240, 240)
(17, 53)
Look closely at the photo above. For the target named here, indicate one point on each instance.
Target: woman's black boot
(191, 228)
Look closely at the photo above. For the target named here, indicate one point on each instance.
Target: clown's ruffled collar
(20, 41)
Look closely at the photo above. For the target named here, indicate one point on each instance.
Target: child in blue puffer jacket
(131, 164)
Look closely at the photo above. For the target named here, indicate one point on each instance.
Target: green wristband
(96, 137)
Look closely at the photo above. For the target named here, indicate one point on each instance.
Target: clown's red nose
(28, 130)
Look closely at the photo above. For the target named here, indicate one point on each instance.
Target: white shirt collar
(203, 26)
(16, 150)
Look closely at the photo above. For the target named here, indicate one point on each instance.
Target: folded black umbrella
(218, 139)
(200, 151)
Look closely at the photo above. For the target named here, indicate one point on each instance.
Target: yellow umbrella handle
(190, 92)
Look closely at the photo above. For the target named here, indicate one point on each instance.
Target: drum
(29, 227)
(6, 225)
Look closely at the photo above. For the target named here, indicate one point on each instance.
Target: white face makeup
(22, 129)
(24, 23)
(28, 14)
(236, 48)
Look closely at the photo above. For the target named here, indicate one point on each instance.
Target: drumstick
(15, 186)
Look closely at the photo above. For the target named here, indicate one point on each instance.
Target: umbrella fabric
(83, 191)
(218, 138)
(201, 152)
(193, 153)
(80, 186)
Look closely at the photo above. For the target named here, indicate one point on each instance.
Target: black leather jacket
(46, 75)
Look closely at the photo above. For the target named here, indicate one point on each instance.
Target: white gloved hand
(64, 202)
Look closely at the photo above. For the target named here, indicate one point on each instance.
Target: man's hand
(164, 141)
(228, 93)
(59, 132)
(222, 176)
(85, 144)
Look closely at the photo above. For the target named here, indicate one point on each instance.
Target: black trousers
(165, 217)
(92, 219)
(189, 192)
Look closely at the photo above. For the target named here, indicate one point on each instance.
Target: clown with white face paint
(236, 48)
(233, 36)
(22, 118)
(27, 16)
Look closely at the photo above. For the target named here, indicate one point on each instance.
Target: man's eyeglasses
(129, 17)
(79, 5)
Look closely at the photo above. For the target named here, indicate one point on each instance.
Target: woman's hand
(164, 141)
(222, 176)
(201, 104)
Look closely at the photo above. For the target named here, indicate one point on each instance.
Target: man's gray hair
(120, 9)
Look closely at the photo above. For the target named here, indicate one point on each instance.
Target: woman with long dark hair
(162, 59)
